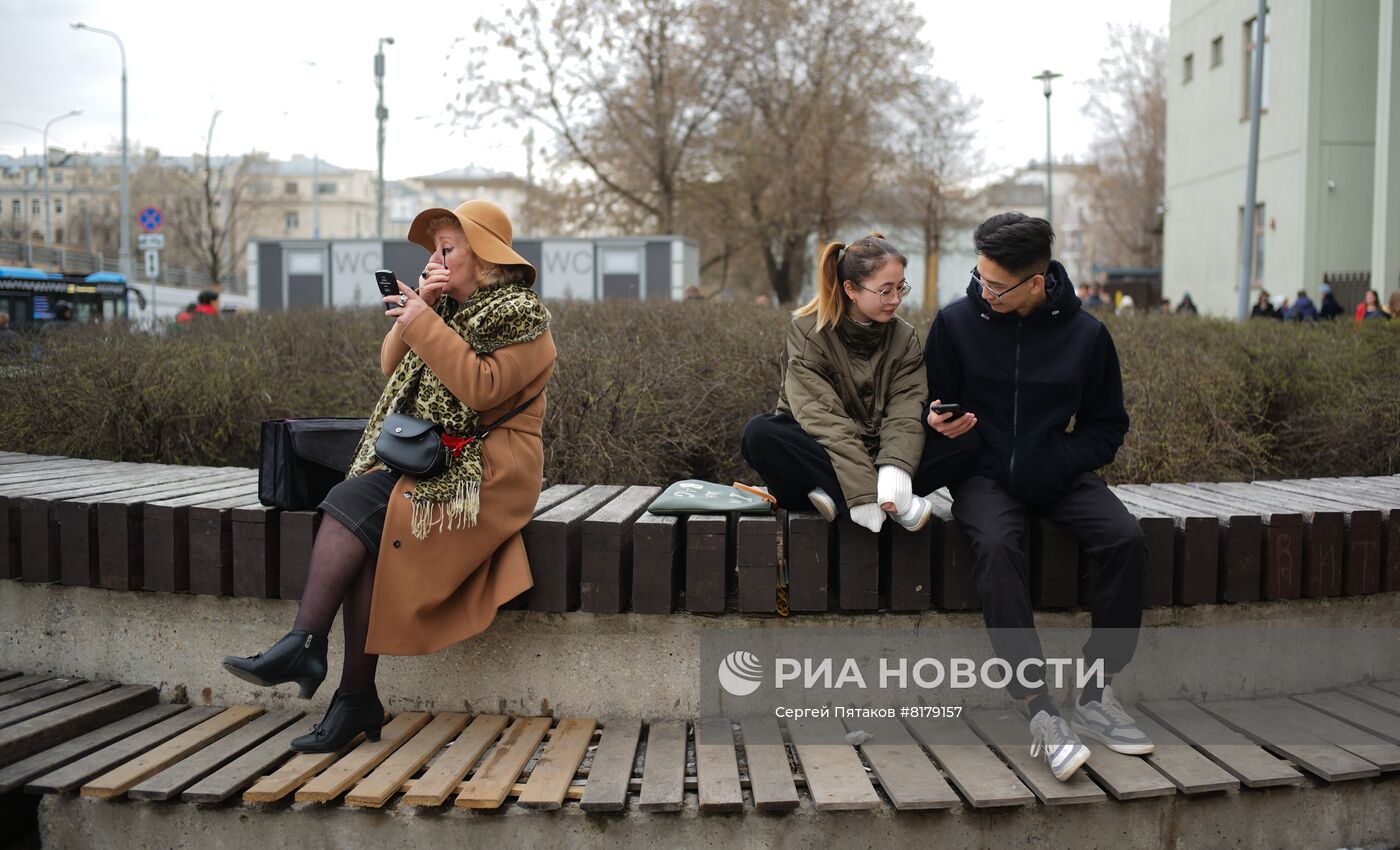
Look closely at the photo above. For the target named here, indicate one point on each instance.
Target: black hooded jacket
(1025, 378)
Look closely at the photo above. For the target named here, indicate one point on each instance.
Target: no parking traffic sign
(150, 219)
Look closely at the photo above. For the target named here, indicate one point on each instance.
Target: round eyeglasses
(889, 294)
(998, 294)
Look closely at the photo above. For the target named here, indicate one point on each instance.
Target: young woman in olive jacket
(848, 436)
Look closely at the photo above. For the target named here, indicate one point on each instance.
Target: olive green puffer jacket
(860, 391)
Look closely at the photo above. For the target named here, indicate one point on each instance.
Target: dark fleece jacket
(1025, 378)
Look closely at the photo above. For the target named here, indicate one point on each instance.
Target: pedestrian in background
(1264, 309)
(1370, 308)
(1331, 308)
(1302, 310)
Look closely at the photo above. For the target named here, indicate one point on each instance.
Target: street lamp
(124, 253)
(382, 115)
(1045, 77)
(48, 228)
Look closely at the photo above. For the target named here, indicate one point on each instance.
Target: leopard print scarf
(493, 317)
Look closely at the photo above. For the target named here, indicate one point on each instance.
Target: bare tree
(1129, 102)
(210, 210)
(627, 86)
(936, 157)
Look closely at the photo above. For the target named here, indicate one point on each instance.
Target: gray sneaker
(1106, 721)
(825, 505)
(916, 516)
(1052, 737)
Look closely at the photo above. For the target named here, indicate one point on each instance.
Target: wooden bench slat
(1196, 579)
(1360, 743)
(294, 773)
(17, 683)
(37, 690)
(663, 770)
(810, 555)
(550, 779)
(656, 564)
(43, 705)
(611, 771)
(906, 574)
(1380, 697)
(1188, 770)
(243, 771)
(493, 781)
(709, 559)
(1322, 566)
(1241, 542)
(38, 733)
(835, 777)
(447, 771)
(181, 775)
(1245, 760)
(1363, 715)
(605, 566)
(857, 566)
(553, 541)
(903, 768)
(1009, 734)
(375, 790)
(120, 780)
(1126, 777)
(717, 766)
(984, 780)
(1281, 563)
(770, 774)
(756, 563)
(1275, 733)
(75, 773)
(338, 778)
(1361, 563)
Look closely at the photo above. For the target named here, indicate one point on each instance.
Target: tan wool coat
(431, 593)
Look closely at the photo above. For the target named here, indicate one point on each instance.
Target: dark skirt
(360, 503)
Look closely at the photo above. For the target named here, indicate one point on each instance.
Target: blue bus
(31, 296)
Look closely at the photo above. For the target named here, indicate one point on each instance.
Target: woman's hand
(956, 428)
(406, 305)
(432, 282)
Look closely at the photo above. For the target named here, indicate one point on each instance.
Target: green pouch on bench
(706, 497)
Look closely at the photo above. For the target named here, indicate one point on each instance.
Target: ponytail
(839, 263)
(829, 302)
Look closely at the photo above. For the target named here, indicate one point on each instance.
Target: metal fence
(81, 262)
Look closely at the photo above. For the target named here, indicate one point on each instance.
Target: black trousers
(792, 462)
(995, 523)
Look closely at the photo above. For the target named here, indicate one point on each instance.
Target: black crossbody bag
(414, 447)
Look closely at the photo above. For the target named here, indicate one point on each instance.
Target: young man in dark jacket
(1022, 358)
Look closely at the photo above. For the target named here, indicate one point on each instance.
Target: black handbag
(300, 460)
(412, 446)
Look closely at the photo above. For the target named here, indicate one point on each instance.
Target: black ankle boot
(351, 713)
(299, 657)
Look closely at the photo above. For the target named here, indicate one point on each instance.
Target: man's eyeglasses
(998, 294)
(889, 294)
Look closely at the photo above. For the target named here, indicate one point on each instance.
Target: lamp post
(1251, 180)
(48, 228)
(1045, 77)
(382, 115)
(124, 252)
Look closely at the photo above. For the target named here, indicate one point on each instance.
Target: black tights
(342, 570)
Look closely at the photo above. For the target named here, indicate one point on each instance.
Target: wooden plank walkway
(117, 744)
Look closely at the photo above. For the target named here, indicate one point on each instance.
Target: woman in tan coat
(419, 565)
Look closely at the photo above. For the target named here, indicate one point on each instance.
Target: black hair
(1015, 241)
(208, 296)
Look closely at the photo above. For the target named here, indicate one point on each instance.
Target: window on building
(58, 177)
(1217, 51)
(14, 209)
(290, 188)
(1251, 32)
(291, 222)
(1188, 67)
(58, 206)
(34, 207)
(325, 188)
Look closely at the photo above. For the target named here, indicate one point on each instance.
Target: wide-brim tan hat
(488, 232)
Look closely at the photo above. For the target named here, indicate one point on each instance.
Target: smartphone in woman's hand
(387, 282)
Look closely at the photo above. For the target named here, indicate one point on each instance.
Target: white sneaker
(1105, 720)
(916, 516)
(825, 505)
(1052, 737)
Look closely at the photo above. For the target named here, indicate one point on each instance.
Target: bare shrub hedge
(652, 392)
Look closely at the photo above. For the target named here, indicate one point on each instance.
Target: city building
(1328, 197)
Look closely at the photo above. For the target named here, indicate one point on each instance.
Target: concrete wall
(648, 666)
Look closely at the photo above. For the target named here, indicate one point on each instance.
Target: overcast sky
(297, 77)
